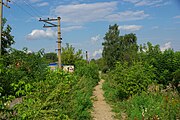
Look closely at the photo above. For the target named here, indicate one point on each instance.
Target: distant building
(53, 66)
(68, 68)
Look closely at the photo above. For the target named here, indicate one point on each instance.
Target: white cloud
(101, 11)
(71, 28)
(166, 46)
(130, 27)
(148, 2)
(155, 27)
(85, 12)
(127, 16)
(155, 3)
(42, 34)
(163, 4)
(132, 1)
(177, 17)
(97, 53)
(95, 38)
(34, 1)
(42, 4)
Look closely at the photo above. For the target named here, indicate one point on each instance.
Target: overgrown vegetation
(134, 72)
(30, 90)
(150, 106)
(126, 81)
(142, 82)
(60, 96)
(45, 94)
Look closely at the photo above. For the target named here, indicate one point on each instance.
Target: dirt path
(101, 110)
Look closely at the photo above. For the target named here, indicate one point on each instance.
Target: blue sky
(85, 22)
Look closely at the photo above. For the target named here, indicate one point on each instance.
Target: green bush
(60, 96)
(46, 94)
(49, 98)
(176, 79)
(151, 106)
(125, 81)
(87, 70)
(20, 66)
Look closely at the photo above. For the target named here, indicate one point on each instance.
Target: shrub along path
(101, 110)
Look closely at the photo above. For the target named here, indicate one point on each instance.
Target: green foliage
(7, 38)
(119, 48)
(101, 65)
(21, 88)
(46, 94)
(60, 96)
(111, 45)
(70, 56)
(132, 80)
(20, 66)
(130, 72)
(165, 63)
(125, 81)
(87, 70)
(49, 99)
(151, 106)
(18, 71)
(176, 79)
(51, 57)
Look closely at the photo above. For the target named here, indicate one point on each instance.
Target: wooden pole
(59, 43)
(87, 57)
(1, 8)
(49, 21)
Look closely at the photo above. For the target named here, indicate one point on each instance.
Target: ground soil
(101, 110)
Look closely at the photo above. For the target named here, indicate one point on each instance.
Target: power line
(33, 9)
(23, 9)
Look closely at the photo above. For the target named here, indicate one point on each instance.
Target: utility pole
(87, 57)
(49, 21)
(1, 14)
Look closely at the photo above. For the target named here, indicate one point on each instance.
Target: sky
(85, 22)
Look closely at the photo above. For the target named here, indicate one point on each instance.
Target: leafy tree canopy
(7, 38)
(69, 55)
(118, 48)
(51, 57)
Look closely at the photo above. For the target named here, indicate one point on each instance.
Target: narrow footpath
(101, 110)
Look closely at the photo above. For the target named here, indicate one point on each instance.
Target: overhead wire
(37, 12)
(23, 9)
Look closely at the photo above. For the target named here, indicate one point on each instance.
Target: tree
(166, 63)
(128, 47)
(20, 66)
(7, 38)
(111, 42)
(69, 56)
(119, 48)
(51, 57)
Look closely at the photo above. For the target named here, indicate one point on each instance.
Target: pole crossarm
(1, 2)
(45, 26)
(47, 21)
(5, 5)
